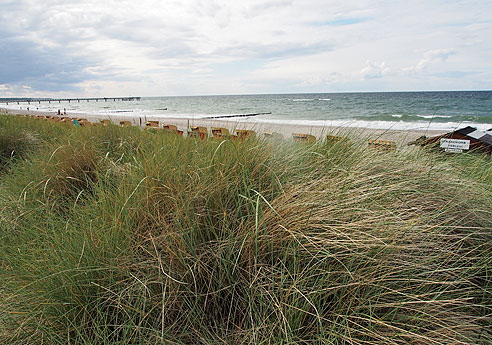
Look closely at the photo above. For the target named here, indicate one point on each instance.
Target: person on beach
(59, 112)
(64, 111)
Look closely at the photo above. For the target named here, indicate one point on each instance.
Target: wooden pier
(69, 100)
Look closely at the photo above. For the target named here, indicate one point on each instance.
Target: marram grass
(120, 236)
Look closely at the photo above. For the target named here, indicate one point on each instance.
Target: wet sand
(398, 136)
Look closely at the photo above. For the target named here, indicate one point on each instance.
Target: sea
(443, 110)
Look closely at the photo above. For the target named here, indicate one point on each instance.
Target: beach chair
(382, 145)
(172, 129)
(273, 135)
(245, 133)
(105, 122)
(198, 132)
(220, 132)
(125, 124)
(304, 138)
(54, 119)
(152, 124)
(335, 139)
(66, 120)
(84, 122)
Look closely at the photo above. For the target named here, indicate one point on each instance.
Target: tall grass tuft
(120, 236)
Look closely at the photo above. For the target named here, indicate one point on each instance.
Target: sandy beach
(355, 133)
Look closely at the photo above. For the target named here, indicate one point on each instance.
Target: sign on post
(455, 145)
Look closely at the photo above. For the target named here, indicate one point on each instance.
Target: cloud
(26, 62)
(430, 57)
(374, 70)
(433, 56)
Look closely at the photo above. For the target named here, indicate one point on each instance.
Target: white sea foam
(434, 116)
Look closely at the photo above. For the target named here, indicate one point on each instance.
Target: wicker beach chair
(337, 139)
(125, 124)
(105, 122)
(172, 129)
(273, 136)
(198, 132)
(66, 120)
(304, 138)
(220, 132)
(152, 124)
(382, 145)
(84, 122)
(245, 133)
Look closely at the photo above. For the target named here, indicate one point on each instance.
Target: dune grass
(116, 235)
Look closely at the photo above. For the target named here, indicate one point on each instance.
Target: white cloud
(374, 70)
(430, 57)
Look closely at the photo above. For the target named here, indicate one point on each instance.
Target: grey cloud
(161, 41)
(25, 62)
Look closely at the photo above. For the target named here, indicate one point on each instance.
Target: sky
(77, 48)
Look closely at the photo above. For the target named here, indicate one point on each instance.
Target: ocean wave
(429, 117)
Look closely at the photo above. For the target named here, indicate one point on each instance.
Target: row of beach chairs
(221, 132)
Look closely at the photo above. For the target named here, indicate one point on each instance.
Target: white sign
(455, 144)
(453, 150)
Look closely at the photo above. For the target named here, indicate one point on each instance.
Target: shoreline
(400, 136)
